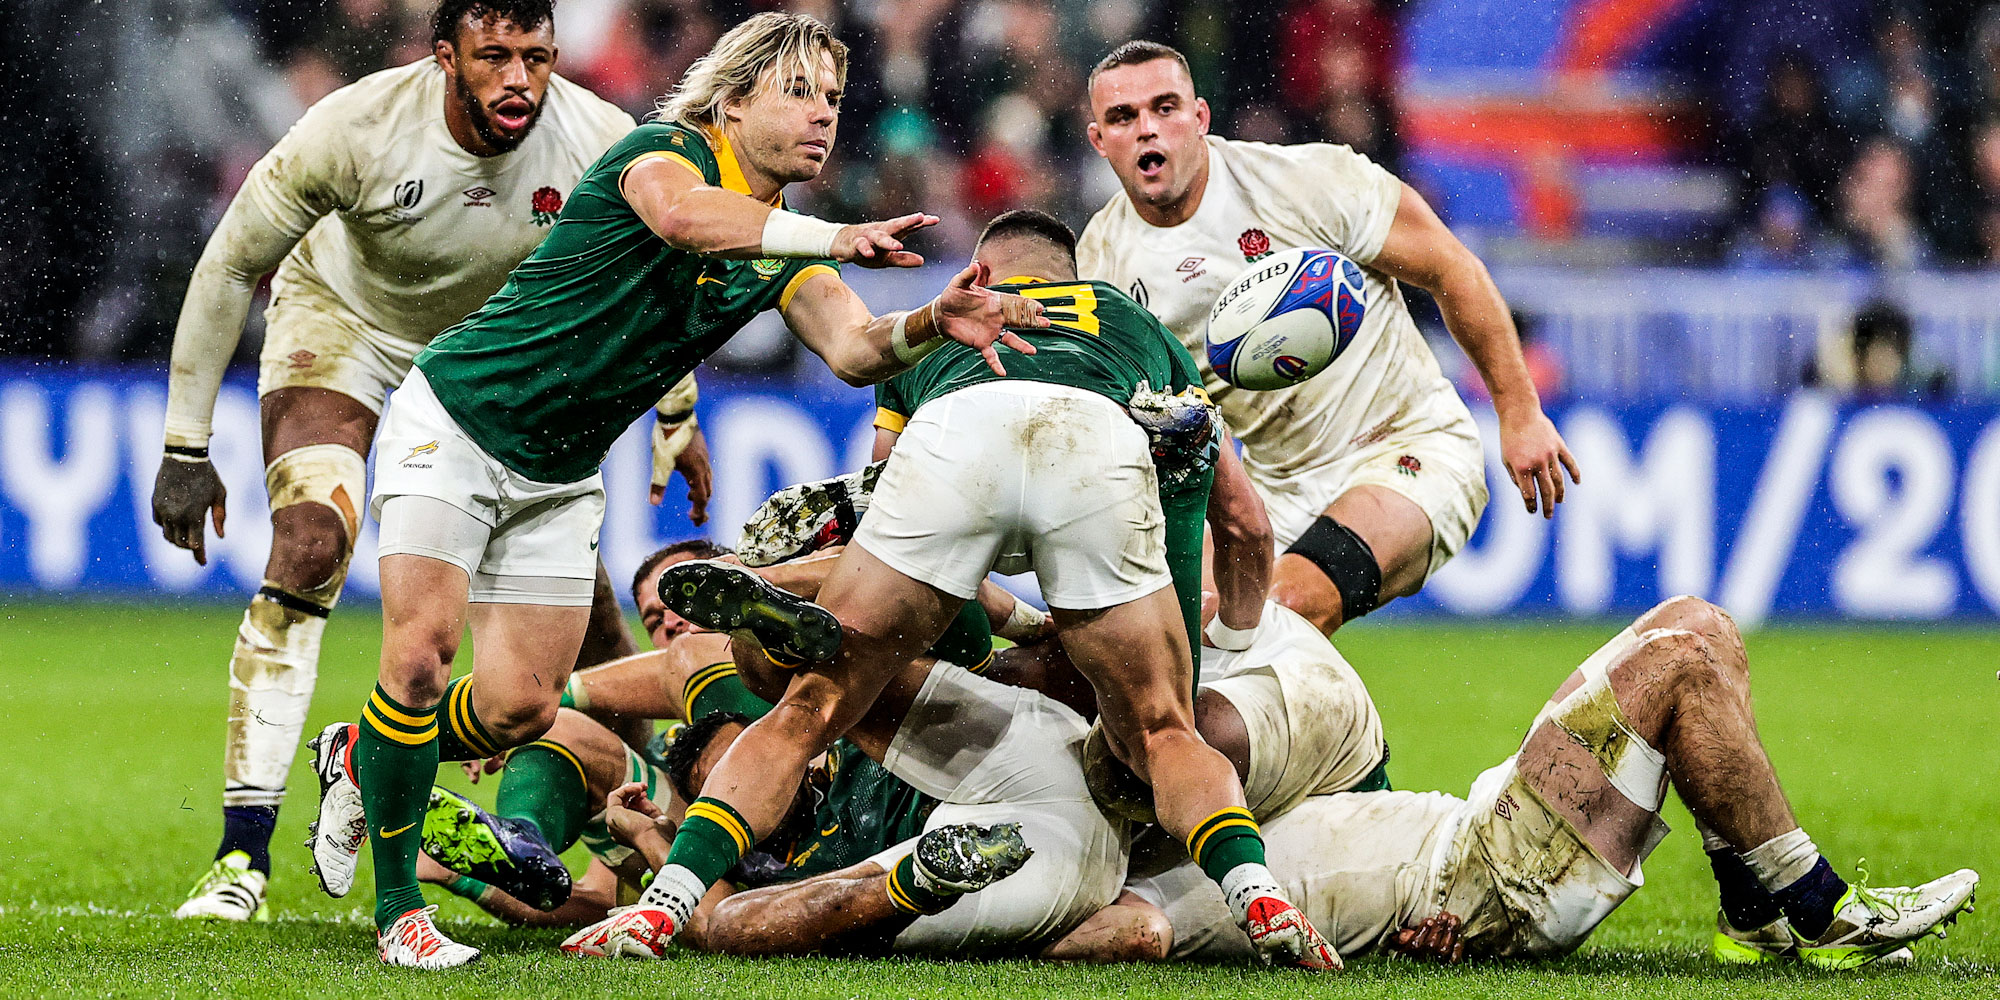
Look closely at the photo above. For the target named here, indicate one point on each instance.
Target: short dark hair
(686, 747)
(700, 548)
(526, 15)
(1031, 223)
(1135, 52)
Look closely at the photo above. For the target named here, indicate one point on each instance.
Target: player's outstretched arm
(1241, 532)
(298, 181)
(847, 911)
(862, 348)
(692, 215)
(1422, 251)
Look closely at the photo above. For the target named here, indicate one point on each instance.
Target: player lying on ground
(1550, 842)
(491, 503)
(1289, 711)
(1042, 466)
(360, 210)
(1372, 470)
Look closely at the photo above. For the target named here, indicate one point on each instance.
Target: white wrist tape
(899, 338)
(1024, 623)
(1223, 637)
(789, 234)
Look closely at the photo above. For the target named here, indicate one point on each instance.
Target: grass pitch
(111, 746)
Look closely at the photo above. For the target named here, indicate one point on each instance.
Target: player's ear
(1096, 137)
(1201, 114)
(446, 56)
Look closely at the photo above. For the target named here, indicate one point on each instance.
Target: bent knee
(306, 553)
(520, 722)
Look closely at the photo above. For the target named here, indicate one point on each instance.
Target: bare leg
(524, 656)
(1136, 657)
(1129, 930)
(606, 638)
(1396, 530)
(847, 911)
(887, 619)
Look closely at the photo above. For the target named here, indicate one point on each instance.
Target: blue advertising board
(1806, 506)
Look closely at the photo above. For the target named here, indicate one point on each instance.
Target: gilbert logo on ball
(1286, 318)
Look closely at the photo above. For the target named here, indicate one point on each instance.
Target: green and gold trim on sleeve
(660, 154)
(798, 281)
(891, 421)
(393, 723)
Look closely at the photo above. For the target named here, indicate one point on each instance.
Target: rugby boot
(641, 932)
(967, 857)
(1283, 936)
(413, 942)
(1769, 943)
(1870, 924)
(725, 597)
(336, 836)
(807, 517)
(232, 890)
(507, 853)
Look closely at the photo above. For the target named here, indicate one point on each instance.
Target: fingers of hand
(966, 278)
(1014, 341)
(1524, 479)
(656, 495)
(1551, 484)
(993, 360)
(1569, 462)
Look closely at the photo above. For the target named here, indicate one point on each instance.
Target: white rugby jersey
(369, 201)
(1260, 199)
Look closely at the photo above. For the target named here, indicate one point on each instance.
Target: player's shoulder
(385, 95)
(585, 117)
(1283, 163)
(683, 142)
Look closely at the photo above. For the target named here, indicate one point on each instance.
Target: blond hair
(732, 68)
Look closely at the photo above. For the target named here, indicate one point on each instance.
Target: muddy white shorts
(1313, 728)
(994, 753)
(313, 341)
(1440, 467)
(439, 494)
(1018, 475)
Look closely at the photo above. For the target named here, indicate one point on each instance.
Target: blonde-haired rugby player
(392, 209)
(1371, 471)
(490, 500)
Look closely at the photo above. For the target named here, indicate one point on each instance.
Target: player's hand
(475, 768)
(880, 244)
(974, 316)
(183, 493)
(692, 464)
(1535, 457)
(630, 815)
(1435, 939)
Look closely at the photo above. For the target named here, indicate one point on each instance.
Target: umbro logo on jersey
(1191, 269)
(475, 197)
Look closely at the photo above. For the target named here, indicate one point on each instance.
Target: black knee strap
(1347, 561)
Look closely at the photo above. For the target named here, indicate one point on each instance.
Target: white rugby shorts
(994, 753)
(313, 341)
(1017, 475)
(1439, 466)
(520, 541)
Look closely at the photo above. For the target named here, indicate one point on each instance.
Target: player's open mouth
(513, 115)
(1151, 162)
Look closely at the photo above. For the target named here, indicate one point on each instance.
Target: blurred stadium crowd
(1842, 135)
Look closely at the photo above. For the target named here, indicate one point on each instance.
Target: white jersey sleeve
(309, 174)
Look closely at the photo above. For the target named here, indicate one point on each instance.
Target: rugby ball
(1285, 318)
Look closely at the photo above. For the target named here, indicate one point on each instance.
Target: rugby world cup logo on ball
(1286, 318)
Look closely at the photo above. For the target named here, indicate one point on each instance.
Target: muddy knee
(315, 517)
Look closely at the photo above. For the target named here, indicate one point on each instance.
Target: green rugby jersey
(601, 320)
(863, 811)
(1099, 340)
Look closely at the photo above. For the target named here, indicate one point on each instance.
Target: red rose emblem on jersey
(547, 204)
(1254, 244)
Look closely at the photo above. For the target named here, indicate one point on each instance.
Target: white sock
(271, 677)
(1783, 859)
(1244, 884)
(676, 890)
